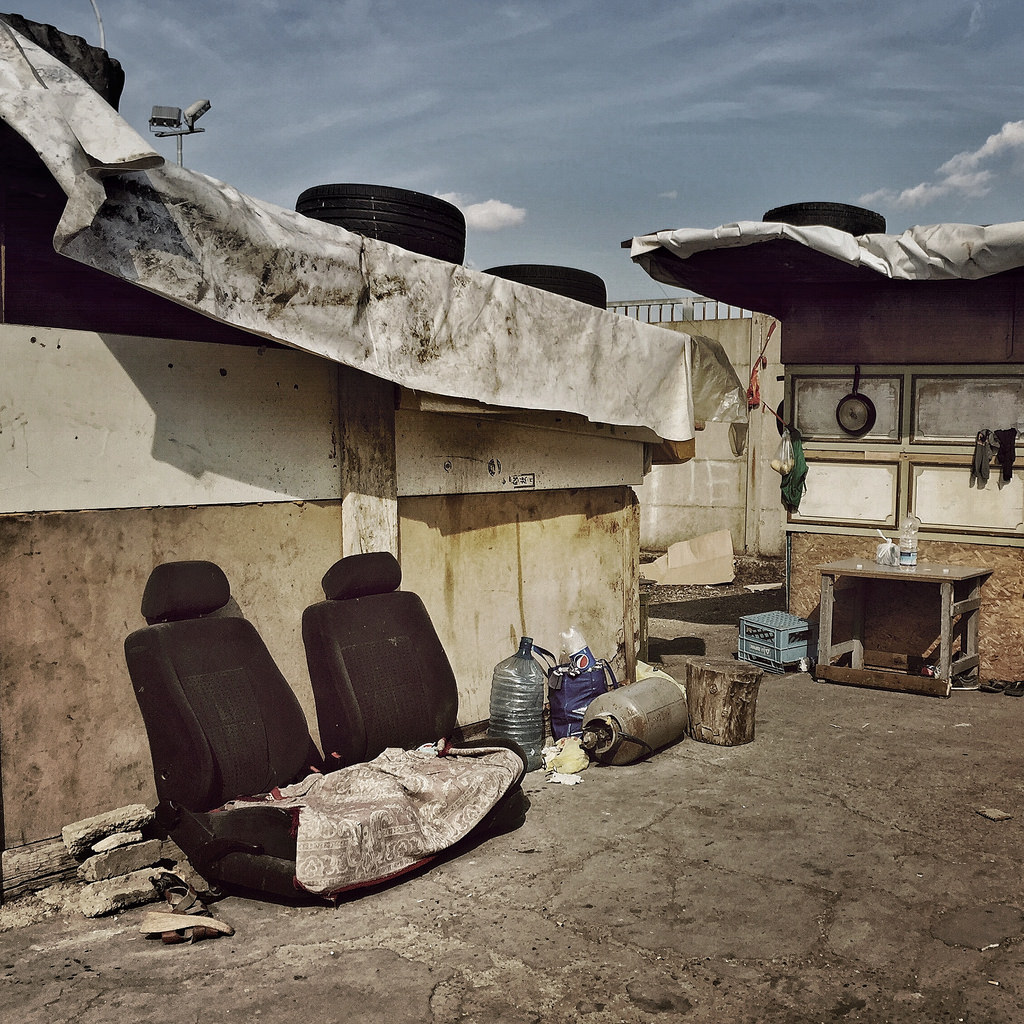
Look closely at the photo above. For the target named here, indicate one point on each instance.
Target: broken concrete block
(112, 842)
(120, 861)
(114, 894)
(80, 835)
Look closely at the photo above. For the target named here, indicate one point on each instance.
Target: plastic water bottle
(908, 542)
(517, 702)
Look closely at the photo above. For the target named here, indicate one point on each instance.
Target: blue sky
(563, 127)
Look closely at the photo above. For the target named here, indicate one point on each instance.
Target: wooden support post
(369, 483)
(721, 697)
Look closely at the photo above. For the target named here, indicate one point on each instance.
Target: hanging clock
(855, 413)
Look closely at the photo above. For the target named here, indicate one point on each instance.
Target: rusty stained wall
(72, 742)
(906, 619)
(492, 567)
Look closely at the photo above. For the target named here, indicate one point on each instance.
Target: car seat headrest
(374, 572)
(184, 590)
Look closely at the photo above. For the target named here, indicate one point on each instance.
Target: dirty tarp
(420, 322)
(937, 252)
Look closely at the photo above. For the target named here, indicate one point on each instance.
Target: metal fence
(679, 310)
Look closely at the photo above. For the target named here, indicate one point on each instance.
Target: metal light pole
(99, 21)
(167, 121)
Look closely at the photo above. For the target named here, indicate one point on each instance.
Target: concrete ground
(835, 869)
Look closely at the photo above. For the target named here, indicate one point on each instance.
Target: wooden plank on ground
(36, 866)
(880, 680)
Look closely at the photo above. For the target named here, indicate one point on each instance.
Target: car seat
(380, 675)
(222, 723)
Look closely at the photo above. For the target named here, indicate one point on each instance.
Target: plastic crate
(774, 640)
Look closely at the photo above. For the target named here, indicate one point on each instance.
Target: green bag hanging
(794, 483)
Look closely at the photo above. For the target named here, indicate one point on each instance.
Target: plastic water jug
(517, 703)
(631, 722)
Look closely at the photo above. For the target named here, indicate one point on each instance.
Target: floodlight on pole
(167, 121)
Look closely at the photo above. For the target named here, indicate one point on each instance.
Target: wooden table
(960, 605)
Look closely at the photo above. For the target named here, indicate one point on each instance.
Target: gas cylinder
(633, 721)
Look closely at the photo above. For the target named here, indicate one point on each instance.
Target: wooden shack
(158, 402)
(926, 326)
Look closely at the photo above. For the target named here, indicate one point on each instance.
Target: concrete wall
(720, 489)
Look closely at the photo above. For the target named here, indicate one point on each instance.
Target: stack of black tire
(415, 221)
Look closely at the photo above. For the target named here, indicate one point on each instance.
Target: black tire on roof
(575, 284)
(412, 220)
(854, 219)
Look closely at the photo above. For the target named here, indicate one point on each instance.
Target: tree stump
(721, 696)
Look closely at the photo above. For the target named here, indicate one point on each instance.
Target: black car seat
(380, 675)
(223, 723)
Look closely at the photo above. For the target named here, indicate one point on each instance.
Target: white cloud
(962, 174)
(977, 18)
(671, 194)
(490, 215)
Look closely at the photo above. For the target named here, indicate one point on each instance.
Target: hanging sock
(985, 446)
(1007, 450)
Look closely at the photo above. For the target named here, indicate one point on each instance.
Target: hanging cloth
(1007, 450)
(985, 446)
(794, 483)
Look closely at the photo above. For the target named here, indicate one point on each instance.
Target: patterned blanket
(371, 821)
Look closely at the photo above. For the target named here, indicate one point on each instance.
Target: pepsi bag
(571, 688)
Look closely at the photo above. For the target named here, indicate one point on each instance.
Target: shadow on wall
(261, 416)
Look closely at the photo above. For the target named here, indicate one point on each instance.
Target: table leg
(825, 619)
(945, 637)
(970, 635)
(859, 600)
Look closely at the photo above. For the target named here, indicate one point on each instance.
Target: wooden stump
(721, 696)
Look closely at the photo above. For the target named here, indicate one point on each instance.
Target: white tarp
(420, 322)
(938, 252)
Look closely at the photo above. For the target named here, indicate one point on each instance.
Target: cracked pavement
(835, 869)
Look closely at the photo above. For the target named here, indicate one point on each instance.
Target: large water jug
(517, 702)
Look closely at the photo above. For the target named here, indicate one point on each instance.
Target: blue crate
(775, 640)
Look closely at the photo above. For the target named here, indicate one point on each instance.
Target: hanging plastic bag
(783, 460)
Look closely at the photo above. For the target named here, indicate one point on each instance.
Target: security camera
(195, 111)
(166, 117)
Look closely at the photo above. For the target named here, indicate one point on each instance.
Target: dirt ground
(834, 869)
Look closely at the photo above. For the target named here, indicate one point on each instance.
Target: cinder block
(112, 842)
(121, 861)
(114, 894)
(80, 835)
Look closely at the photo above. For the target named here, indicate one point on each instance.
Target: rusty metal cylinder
(629, 723)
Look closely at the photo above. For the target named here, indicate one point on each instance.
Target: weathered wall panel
(905, 618)
(852, 494)
(72, 741)
(449, 454)
(106, 421)
(492, 567)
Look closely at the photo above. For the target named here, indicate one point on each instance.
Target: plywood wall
(907, 620)
(70, 588)
(493, 567)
